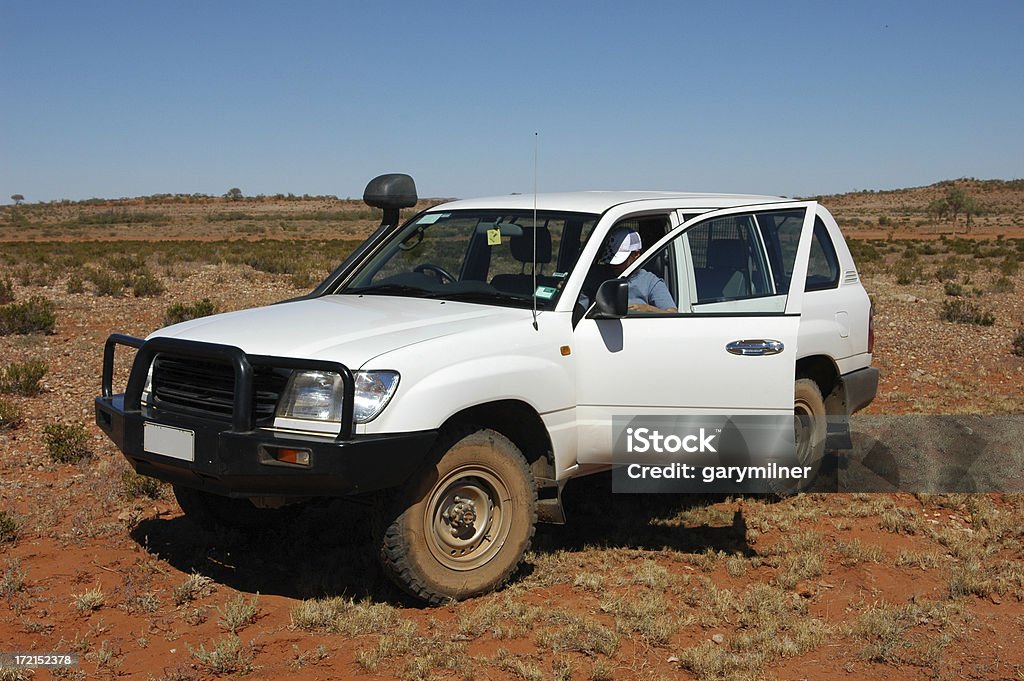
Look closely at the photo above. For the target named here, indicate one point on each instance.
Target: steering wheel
(442, 273)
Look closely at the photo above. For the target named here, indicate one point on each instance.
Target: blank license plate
(177, 443)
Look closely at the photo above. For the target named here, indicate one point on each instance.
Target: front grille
(194, 385)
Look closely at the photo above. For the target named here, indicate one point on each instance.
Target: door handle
(755, 348)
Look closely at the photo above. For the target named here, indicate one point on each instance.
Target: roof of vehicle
(600, 201)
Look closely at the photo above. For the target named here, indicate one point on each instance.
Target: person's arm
(660, 297)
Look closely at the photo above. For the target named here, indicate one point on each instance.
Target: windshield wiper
(483, 296)
(385, 289)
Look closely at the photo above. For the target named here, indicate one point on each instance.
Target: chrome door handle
(755, 348)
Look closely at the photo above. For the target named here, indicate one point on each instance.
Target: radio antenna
(535, 143)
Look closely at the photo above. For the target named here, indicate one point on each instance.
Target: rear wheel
(460, 528)
(810, 426)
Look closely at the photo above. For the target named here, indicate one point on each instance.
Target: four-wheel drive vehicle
(450, 364)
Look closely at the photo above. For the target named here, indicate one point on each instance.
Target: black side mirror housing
(611, 300)
(391, 192)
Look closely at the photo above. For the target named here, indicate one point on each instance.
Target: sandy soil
(634, 587)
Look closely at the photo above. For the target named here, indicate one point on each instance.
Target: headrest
(522, 246)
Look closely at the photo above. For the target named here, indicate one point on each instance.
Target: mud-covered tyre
(212, 511)
(460, 527)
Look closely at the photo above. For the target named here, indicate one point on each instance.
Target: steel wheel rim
(803, 429)
(467, 517)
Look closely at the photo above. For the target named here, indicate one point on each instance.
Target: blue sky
(113, 99)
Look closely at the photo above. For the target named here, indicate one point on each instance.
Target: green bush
(146, 285)
(182, 312)
(6, 291)
(9, 527)
(75, 284)
(35, 315)
(1002, 285)
(22, 378)
(947, 272)
(106, 284)
(10, 415)
(67, 442)
(962, 311)
(954, 289)
(907, 272)
(134, 485)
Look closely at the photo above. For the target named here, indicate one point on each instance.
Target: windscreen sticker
(545, 292)
(494, 237)
(430, 218)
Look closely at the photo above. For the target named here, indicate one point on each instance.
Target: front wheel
(460, 528)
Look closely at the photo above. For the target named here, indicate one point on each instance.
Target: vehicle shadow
(598, 517)
(326, 549)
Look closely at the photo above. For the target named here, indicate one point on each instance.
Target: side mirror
(390, 192)
(611, 300)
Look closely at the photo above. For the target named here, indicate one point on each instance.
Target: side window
(728, 260)
(728, 265)
(652, 287)
(781, 234)
(823, 266)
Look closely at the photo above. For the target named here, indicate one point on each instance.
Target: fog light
(286, 455)
(300, 457)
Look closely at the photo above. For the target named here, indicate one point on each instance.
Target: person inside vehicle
(647, 291)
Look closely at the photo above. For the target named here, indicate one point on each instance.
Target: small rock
(718, 638)
(994, 597)
(672, 659)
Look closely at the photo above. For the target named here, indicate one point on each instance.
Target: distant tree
(17, 198)
(957, 201)
(939, 208)
(235, 194)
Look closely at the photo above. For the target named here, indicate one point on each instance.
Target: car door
(729, 349)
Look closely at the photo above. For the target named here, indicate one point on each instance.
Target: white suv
(450, 363)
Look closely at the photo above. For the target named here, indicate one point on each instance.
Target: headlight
(373, 391)
(314, 395)
(319, 395)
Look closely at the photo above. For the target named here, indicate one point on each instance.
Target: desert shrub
(947, 272)
(962, 311)
(22, 378)
(106, 284)
(10, 415)
(67, 442)
(884, 221)
(1018, 343)
(1002, 285)
(146, 285)
(9, 527)
(907, 272)
(864, 252)
(953, 289)
(134, 486)
(35, 315)
(75, 284)
(182, 312)
(6, 291)
(304, 280)
(125, 264)
(1009, 266)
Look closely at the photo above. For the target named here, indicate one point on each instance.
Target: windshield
(478, 256)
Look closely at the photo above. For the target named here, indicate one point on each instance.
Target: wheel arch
(823, 371)
(520, 423)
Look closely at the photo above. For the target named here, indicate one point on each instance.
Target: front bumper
(236, 459)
